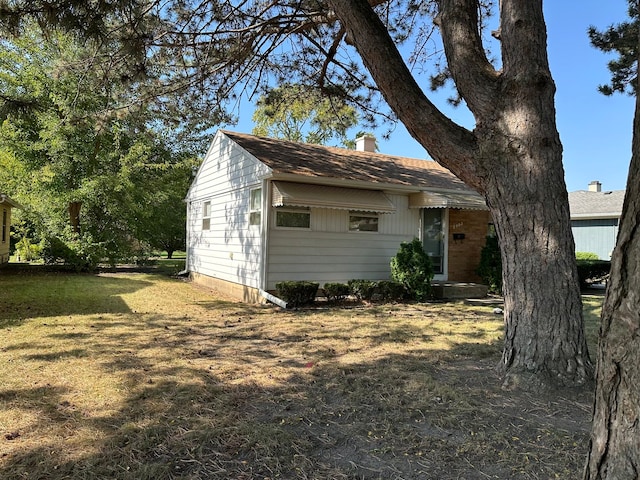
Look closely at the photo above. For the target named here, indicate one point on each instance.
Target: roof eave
(5, 199)
(594, 216)
(342, 182)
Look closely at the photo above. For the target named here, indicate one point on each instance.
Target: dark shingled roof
(584, 203)
(284, 157)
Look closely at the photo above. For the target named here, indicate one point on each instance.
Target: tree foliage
(71, 159)
(621, 39)
(302, 114)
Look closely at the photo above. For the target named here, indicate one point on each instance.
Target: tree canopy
(72, 157)
(621, 39)
(299, 114)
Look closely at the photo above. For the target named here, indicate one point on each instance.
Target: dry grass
(138, 376)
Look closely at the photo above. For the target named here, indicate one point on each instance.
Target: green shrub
(412, 268)
(336, 292)
(391, 291)
(362, 289)
(590, 270)
(80, 253)
(28, 251)
(490, 268)
(297, 293)
(587, 256)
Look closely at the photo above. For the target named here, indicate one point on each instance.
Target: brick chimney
(595, 186)
(366, 143)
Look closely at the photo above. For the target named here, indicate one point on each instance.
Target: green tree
(73, 161)
(621, 39)
(513, 156)
(303, 114)
(614, 450)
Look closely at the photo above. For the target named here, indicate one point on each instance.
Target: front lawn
(140, 376)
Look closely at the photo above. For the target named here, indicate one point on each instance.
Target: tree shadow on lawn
(400, 416)
(51, 295)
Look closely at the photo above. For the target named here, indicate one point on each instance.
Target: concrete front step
(458, 290)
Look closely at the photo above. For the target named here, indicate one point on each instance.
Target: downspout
(189, 203)
(187, 236)
(264, 233)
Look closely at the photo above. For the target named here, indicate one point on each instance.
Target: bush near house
(297, 294)
(336, 292)
(412, 268)
(590, 271)
(392, 291)
(362, 289)
(78, 252)
(490, 268)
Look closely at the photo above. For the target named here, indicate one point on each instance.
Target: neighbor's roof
(285, 157)
(5, 199)
(586, 204)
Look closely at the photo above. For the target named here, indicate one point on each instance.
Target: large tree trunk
(544, 340)
(513, 157)
(614, 451)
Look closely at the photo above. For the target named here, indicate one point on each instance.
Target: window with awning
(463, 201)
(289, 194)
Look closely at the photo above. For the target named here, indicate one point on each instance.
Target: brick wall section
(464, 255)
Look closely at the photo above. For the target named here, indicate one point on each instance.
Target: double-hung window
(255, 206)
(206, 215)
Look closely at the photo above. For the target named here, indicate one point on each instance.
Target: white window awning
(462, 201)
(289, 194)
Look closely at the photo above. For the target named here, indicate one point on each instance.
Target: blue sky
(595, 130)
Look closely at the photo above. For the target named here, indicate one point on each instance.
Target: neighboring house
(595, 216)
(261, 211)
(6, 204)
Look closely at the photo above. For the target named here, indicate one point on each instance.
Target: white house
(261, 211)
(595, 216)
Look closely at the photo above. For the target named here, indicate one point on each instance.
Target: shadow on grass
(394, 418)
(401, 416)
(49, 295)
(228, 398)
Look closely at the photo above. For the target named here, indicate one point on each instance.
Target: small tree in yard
(412, 267)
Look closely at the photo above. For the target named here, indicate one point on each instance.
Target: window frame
(255, 209)
(206, 215)
(361, 214)
(295, 210)
(5, 224)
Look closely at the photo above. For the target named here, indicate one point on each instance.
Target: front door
(433, 237)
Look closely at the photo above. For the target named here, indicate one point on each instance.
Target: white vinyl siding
(328, 252)
(230, 249)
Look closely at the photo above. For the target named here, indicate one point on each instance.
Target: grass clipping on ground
(133, 376)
